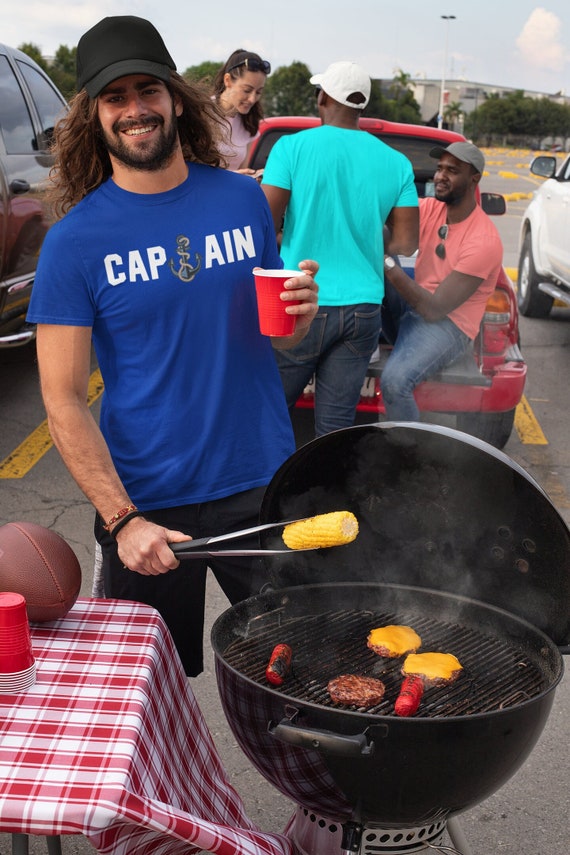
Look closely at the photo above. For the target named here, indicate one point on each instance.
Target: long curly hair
(252, 119)
(82, 162)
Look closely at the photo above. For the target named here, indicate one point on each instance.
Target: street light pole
(447, 19)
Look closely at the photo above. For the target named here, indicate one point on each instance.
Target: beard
(450, 197)
(148, 156)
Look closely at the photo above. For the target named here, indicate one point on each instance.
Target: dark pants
(179, 595)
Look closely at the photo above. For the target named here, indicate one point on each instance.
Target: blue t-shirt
(343, 185)
(193, 407)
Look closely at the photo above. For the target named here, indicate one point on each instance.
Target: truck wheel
(494, 428)
(532, 302)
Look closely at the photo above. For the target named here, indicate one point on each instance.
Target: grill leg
(351, 837)
(54, 844)
(20, 844)
(458, 839)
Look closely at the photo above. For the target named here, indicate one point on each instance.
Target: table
(110, 743)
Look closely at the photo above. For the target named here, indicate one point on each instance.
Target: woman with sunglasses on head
(437, 314)
(238, 87)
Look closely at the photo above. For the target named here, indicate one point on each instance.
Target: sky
(510, 43)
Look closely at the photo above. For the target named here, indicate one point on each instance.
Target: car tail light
(497, 322)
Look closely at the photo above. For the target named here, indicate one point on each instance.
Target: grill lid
(437, 509)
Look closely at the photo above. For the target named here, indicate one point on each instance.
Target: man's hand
(305, 289)
(143, 547)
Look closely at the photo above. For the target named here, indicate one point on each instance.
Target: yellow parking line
(527, 426)
(33, 448)
(27, 454)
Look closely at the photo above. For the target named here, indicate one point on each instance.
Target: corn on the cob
(332, 529)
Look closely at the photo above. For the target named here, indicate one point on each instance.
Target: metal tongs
(196, 548)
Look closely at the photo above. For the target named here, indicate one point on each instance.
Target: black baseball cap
(117, 46)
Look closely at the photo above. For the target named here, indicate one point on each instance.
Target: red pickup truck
(484, 386)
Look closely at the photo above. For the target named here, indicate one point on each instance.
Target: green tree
(518, 119)
(34, 52)
(490, 120)
(377, 107)
(394, 101)
(203, 73)
(401, 83)
(288, 92)
(453, 113)
(63, 72)
(406, 109)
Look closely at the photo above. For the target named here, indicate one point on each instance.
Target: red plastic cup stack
(17, 663)
(273, 319)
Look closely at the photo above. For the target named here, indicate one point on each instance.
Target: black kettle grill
(455, 540)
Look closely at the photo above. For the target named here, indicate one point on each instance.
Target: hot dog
(279, 663)
(410, 696)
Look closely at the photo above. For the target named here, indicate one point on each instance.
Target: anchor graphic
(185, 271)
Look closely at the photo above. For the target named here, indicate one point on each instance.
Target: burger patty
(393, 641)
(434, 669)
(353, 689)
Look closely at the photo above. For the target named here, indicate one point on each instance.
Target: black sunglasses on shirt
(442, 233)
(253, 64)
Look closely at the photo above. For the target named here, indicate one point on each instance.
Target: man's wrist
(389, 263)
(123, 522)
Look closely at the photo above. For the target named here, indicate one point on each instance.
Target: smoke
(540, 41)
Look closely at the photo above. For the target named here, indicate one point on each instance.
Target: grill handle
(326, 741)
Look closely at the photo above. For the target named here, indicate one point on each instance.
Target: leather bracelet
(119, 515)
(123, 521)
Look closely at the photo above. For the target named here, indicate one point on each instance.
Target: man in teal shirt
(338, 187)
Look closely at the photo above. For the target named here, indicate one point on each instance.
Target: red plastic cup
(273, 319)
(15, 640)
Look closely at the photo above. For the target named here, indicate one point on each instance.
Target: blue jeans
(422, 349)
(337, 350)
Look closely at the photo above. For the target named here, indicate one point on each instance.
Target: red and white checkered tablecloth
(110, 743)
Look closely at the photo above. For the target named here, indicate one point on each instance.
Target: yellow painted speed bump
(527, 426)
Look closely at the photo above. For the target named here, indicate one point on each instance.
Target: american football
(38, 564)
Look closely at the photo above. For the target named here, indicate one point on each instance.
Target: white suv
(544, 245)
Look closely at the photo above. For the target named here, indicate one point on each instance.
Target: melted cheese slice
(396, 639)
(432, 666)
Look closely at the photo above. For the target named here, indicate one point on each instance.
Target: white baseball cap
(342, 79)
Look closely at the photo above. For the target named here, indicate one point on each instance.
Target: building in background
(467, 94)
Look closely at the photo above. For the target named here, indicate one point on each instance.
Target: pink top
(472, 247)
(234, 148)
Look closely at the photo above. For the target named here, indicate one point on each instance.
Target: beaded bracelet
(119, 515)
(123, 521)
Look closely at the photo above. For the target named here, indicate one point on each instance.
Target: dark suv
(483, 387)
(29, 107)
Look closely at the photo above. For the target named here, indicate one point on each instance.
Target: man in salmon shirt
(436, 315)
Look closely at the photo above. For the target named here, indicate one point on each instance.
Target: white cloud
(540, 41)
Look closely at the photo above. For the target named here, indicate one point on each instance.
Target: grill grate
(497, 674)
